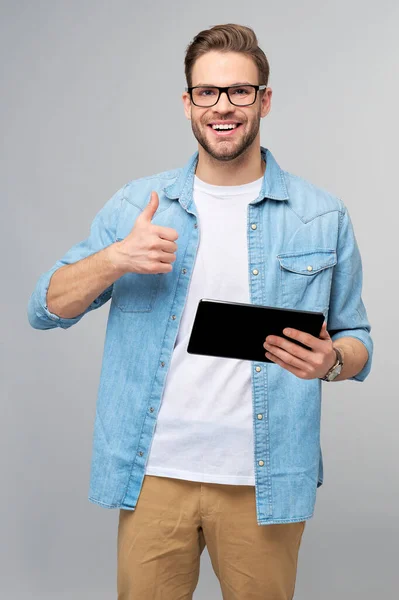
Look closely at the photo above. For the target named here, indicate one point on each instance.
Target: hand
(147, 248)
(305, 364)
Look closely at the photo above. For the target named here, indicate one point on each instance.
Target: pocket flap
(308, 262)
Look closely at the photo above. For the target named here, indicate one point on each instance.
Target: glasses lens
(205, 96)
(239, 95)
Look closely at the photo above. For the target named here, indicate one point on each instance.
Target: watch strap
(339, 361)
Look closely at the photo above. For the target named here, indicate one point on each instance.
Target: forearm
(73, 287)
(355, 356)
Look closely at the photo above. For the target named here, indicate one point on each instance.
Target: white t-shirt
(204, 429)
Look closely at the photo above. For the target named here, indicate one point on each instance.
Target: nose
(224, 104)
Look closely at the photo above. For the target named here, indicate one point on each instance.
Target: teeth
(224, 126)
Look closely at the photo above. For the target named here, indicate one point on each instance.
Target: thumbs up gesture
(148, 248)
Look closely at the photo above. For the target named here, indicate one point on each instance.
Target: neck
(243, 169)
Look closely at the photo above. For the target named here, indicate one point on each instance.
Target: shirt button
(184, 271)
(195, 225)
(255, 271)
(162, 364)
(258, 369)
(253, 226)
(260, 417)
(173, 317)
(151, 409)
(141, 454)
(310, 268)
(261, 463)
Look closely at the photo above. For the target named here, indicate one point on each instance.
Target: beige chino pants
(160, 543)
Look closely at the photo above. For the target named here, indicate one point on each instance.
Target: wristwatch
(336, 368)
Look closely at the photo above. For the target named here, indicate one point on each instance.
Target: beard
(226, 150)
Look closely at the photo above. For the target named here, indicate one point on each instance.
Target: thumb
(324, 335)
(151, 207)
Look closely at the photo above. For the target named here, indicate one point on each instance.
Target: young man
(196, 450)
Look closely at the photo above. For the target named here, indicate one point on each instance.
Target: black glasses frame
(226, 90)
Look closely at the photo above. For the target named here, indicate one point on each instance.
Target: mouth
(225, 132)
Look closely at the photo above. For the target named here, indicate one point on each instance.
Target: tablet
(237, 330)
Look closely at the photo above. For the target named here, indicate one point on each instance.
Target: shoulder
(308, 200)
(138, 191)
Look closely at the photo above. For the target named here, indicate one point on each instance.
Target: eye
(205, 91)
(241, 91)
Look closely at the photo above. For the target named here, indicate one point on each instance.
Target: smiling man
(199, 450)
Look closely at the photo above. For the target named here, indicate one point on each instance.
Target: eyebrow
(213, 85)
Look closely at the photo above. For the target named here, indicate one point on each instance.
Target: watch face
(335, 372)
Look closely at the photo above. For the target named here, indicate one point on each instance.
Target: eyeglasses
(239, 95)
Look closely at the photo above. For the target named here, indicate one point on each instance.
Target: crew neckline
(231, 190)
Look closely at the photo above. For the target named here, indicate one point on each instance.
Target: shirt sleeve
(102, 234)
(347, 315)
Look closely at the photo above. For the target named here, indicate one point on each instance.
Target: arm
(355, 357)
(347, 323)
(74, 287)
(83, 277)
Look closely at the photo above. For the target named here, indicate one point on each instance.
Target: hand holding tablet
(238, 330)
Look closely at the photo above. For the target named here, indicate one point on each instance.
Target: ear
(187, 104)
(266, 102)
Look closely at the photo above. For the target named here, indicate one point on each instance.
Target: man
(198, 450)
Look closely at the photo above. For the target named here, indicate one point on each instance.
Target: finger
(151, 208)
(291, 347)
(324, 335)
(167, 246)
(286, 357)
(291, 369)
(167, 256)
(305, 338)
(166, 233)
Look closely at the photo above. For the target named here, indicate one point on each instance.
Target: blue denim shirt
(297, 225)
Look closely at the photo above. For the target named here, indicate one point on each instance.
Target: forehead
(224, 68)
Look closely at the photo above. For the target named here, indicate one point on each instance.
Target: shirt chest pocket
(136, 292)
(305, 278)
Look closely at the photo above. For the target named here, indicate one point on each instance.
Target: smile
(225, 132)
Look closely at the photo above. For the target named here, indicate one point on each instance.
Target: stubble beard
(225, 150)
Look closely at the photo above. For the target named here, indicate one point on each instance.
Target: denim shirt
(302, 253)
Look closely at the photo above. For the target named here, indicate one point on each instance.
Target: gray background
(90, 99)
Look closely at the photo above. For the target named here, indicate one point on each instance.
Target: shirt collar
(273, 185)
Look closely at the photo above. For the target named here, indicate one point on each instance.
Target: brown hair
(227, 38)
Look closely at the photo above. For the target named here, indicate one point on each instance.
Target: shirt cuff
(42, 313)
(363, 336)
